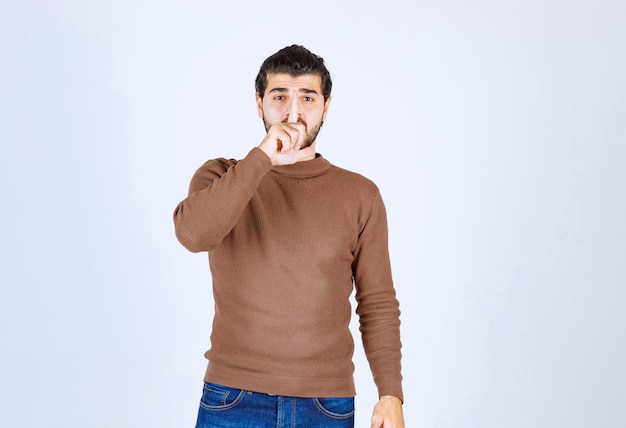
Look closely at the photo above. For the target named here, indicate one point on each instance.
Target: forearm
(218, 194)
(382, 344)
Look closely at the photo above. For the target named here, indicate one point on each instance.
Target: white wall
(496, 131)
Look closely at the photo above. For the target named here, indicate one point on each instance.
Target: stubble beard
(310, 135)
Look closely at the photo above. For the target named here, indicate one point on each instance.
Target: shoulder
(209, 171)
(217, 164)
(353, 180)
(214, 168)
(255, 159)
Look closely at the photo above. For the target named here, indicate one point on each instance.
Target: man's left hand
(388, 413)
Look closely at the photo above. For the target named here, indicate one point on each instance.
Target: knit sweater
(286, 246)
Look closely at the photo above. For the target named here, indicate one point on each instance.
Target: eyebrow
(301, 90)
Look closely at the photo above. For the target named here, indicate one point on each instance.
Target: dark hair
(294, 60)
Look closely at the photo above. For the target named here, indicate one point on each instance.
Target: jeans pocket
(218, 397)
(335, 407)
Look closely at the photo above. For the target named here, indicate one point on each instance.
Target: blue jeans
(224, 407)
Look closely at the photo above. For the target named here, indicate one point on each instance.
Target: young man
(288, 236)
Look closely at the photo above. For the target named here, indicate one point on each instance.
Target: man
(288, 236)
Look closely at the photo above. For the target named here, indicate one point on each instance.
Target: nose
(293, 110)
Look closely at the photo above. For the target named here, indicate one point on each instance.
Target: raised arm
(221, 188)
(218, 193)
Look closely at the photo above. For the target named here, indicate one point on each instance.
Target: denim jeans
(226, 407)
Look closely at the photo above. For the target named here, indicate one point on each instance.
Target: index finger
(293, 113)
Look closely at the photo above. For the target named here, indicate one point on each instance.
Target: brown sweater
(286, 244)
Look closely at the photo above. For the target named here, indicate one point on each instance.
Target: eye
(308, 99)
(279, 98)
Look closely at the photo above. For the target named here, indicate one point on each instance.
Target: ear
(326, 105)
(259, 105)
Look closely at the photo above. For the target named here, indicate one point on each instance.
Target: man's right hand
(284, 140)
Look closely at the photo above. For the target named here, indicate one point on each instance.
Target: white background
(496, 131)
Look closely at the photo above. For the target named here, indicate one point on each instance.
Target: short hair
(294, 60)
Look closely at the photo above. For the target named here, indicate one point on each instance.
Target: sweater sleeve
(377, 306)
(218, 193)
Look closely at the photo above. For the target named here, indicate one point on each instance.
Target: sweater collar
(304, 169)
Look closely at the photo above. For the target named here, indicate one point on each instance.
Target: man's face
(283, 91)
